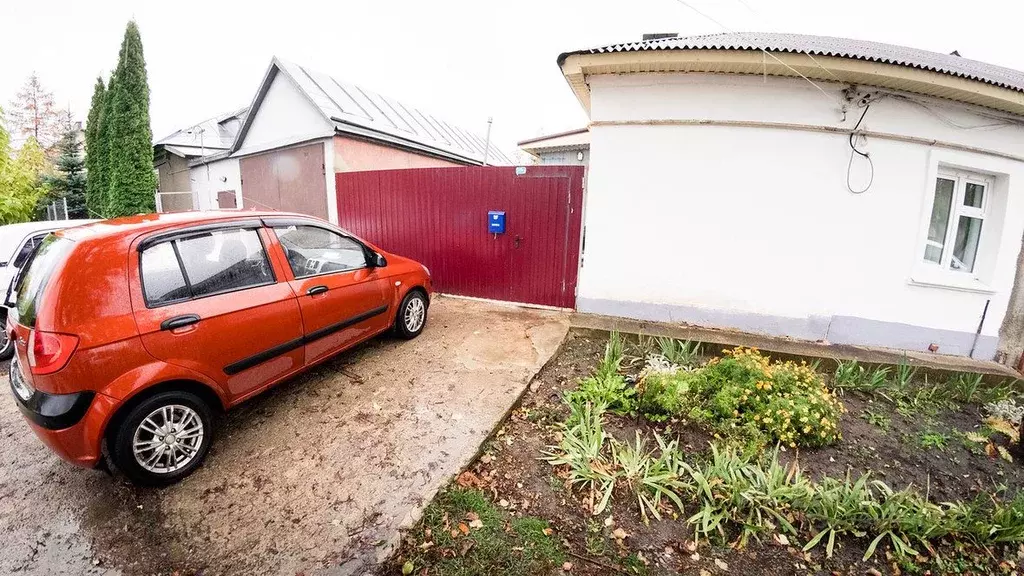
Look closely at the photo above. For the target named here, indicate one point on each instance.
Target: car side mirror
(377, 261)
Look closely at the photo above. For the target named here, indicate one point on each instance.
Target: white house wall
(207, 181)
(753, 227)
(284, 117)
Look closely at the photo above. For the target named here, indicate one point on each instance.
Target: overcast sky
(460, 60)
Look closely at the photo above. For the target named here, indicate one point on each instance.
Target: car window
(26, 250)
(162, 280)
(312, 250)
(52, 251)
(224, 260)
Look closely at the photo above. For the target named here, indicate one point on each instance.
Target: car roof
(145, 223)
(14, 233)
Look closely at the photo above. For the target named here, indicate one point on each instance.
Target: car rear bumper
(70, 424)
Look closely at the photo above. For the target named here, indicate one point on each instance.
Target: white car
(17, 242)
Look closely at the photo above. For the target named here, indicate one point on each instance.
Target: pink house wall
(352, 155)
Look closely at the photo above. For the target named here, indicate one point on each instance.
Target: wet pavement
(316, 476)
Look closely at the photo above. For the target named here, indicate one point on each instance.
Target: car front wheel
(163, 439)
(412, 315)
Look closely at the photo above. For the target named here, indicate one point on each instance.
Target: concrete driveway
(316, 476)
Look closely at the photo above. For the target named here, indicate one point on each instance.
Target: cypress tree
(95, 152)
(130, 156)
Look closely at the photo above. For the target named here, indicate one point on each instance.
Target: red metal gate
(439, 217)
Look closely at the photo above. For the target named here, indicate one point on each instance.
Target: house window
(958, 216)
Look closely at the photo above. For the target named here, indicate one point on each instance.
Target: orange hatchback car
(132, 333)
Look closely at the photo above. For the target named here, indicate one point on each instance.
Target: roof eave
(578, 67)
(350, 129)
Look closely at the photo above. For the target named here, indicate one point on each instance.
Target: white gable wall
(284, 117)
(752, 227)
(207, 181)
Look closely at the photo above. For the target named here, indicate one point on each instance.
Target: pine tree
(130, 155)
(69, 183)
(96, 153)
(33, 114)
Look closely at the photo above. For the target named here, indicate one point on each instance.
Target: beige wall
(351, 155)
(173, 172)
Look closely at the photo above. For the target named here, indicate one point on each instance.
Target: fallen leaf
(463, 528)
(695, 557)
(487, 458)
(503, 503)
(619, 534)
(609, 521)
(690, 546)
(476, 524)
(469, 480)
(455, 533)
(426, 545)
(546, 531)
(704, 572)
(567, 566)
(472, 516)
(721, 564)
(408, 567)
(873, 572)
(782, 539)
(466, 545)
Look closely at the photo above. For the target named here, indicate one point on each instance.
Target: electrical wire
(765, 52)
(854, 152)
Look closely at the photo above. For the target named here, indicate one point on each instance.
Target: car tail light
(48, 352)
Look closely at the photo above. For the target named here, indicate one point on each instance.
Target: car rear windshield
(32, 283)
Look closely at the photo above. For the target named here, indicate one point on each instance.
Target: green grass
(504, 545)
(937, 440)
(876, 419)
(910, 395)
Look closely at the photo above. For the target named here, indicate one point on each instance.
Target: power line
(766, 52)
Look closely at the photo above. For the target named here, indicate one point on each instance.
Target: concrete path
(317, 476)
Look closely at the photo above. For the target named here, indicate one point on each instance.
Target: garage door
(439, 216)
(291, 179)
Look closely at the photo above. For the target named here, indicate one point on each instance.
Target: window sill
(949, 280)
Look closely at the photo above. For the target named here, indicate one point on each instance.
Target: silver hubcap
(5, 339)
(415, 313)
(168, 439)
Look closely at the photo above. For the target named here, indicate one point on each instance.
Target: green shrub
(664, 394)
(746, 393)
(609, 390)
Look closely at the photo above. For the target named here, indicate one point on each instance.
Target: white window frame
(960, 178)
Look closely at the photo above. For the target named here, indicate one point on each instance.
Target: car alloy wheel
(415, 313)
(168, 439)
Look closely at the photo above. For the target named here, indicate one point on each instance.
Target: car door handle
(179, 322)
(316, 290)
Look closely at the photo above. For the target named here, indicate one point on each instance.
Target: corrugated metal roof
(828, 46)
(348, 106)
(210, 135)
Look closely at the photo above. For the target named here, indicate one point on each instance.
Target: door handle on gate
(179, 322)
(316, 290)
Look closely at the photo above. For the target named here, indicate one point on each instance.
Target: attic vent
(660, 35)
(954, 53)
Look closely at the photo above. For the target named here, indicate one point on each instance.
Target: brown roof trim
(550, 136)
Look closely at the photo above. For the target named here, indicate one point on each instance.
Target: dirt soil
(316, 476)
(511, 471)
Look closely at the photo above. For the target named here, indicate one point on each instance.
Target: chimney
(660, 35)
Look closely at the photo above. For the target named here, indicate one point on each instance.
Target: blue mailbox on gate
(496, 221)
